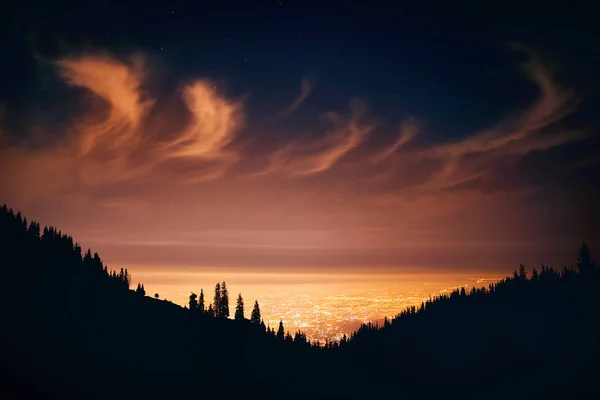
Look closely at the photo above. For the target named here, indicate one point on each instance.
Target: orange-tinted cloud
(114, 141)
(307, 158)
(119, 85)
(213, 126)
(478, 155)
(105, 139)
(408, 130)
(134, 165)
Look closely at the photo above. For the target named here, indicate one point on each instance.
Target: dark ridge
(72, 328)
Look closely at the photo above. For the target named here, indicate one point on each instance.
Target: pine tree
(140, 290)
(224, 301)
(280, 330)
(193, 302)
(344, 340)
(201, 301)
(217, 301)
(210, 311)
(255, 316)
(300, 338)
(239, 309)
(97, 262)
(522, 273)
(88, 257)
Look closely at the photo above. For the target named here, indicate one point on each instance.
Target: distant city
(322, 308)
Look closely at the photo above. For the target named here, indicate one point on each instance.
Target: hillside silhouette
(73, 328)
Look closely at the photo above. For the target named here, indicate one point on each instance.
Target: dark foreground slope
(533, 335)
(70, 328)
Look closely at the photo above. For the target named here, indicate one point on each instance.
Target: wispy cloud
(480, 154)
(408, 130)
(114, 141)
(213, 126)
(119, 85)
(306, 158)
(306, 89)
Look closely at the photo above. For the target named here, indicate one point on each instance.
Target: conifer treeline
(220, 309)
(70, 316)
(66, 255)
(520, 289)
(587, 270)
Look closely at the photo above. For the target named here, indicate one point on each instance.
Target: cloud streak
(114, 140)
(213, 125)
(311, 157)
(119, 85)
(306, 89)
(408, 130)
(482, 153)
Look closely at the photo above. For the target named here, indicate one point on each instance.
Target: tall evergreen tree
(239, 308)
(217, 301)
(88, 257)
(224, 301)
(280, 330)
(201, 301)
(255, 316)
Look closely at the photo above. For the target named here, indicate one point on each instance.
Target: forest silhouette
(73, 328)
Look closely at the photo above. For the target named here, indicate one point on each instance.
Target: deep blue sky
(448, 64)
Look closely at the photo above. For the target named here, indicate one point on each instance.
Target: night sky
(282, 136)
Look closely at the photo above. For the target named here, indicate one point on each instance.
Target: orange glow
(186, 178)
(324, 306)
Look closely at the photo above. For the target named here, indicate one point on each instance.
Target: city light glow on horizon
(323, 306)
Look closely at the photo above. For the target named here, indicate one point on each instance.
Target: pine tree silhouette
(193, 303)
(217, 301)
(239, 308)
(280, 330)
(140, 290)
(255, 316)
(224, 301)
(201, 305)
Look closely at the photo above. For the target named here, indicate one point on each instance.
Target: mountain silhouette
(74, 328)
